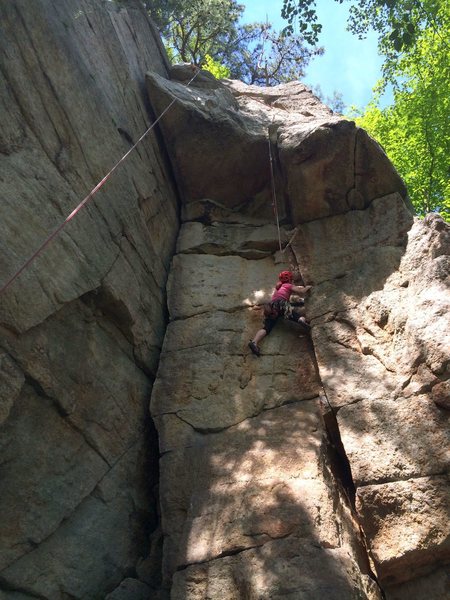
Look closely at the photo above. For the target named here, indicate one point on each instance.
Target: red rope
(76, 210)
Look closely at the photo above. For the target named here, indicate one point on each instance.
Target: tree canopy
(255, 53)
(413, 39)
(398, 22)
(264, 56)
(414, 130)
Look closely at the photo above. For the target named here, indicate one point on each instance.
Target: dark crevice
(342, 477)
(234, 551)
(341, 473)
(398, 478)
(5, 586)
(248, 253)
(339, 461)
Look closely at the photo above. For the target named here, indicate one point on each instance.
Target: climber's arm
(300, 289)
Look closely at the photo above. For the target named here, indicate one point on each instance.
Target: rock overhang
(217, 135)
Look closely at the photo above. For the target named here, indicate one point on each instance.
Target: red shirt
(283, 293)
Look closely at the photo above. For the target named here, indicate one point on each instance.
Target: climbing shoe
(304, 323)
(254, 348)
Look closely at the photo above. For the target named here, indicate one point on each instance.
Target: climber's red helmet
(286, 277)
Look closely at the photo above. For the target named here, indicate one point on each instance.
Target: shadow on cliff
(258, 526)
(261, 513)
(250, 511)
(375, 362)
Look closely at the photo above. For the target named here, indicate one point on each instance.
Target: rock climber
(280, 306)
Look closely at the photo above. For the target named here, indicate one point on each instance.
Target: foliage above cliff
(413, 39)
(414, 130)
(398, 22)
(254, 53)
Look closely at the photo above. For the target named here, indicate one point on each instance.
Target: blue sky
(349, 65)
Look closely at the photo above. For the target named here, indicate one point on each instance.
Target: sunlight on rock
(198, 545)
(256, 297)
(279, 476)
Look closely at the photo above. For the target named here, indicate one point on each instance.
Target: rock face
(382, 348)
(217, 138)
(82, 328)
(319, 470)
(245, 472)
(250, 503)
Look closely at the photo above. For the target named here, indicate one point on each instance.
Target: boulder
(381, 333)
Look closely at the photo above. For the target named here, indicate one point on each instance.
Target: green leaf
(406, 38)
(398, 44)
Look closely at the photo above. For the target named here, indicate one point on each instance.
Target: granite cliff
(82, 328)
(319, 470)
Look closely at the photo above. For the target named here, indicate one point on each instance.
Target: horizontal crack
(232, 310)
(240, 253)
(235, 551)
(214, 430)
(385, 480)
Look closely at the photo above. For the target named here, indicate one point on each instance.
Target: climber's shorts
(285, 309)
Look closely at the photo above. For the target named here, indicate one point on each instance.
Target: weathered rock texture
(319, 470)
(382, 339)
(217, 138)
(244, 471)
(82, 328)
(250, 503)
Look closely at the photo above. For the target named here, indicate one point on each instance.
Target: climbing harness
(76, 210)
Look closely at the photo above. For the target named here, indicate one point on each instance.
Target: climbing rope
(275, 208)
(274, 193)
(94, 190)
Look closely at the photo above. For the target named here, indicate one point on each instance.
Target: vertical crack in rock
(348, 256)
(256, 498)
(255, 452)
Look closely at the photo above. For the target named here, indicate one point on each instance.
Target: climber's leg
(253, 344)
(267, 327)
(260, 335)
(297, 314)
